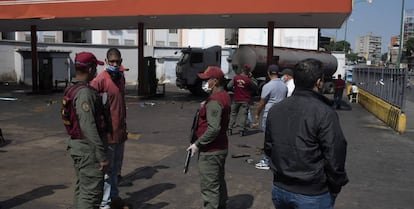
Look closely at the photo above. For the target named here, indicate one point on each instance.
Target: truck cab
(192, 62)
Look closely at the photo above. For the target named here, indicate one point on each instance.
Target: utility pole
(401, 35)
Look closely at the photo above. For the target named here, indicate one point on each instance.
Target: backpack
(68, 112)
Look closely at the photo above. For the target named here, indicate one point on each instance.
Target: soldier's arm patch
(215, 113)
(85, 107)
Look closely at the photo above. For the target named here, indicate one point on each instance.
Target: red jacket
(242, 88)
(116, 97)
(221, 141)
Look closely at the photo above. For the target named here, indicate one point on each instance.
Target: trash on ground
(243, 145)
(8, 98)
(149, 103)
(134, 136)
(240, 155)
(250, 161)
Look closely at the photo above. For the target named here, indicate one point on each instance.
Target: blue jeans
(264, 119)
(283, 199)
(115, 155)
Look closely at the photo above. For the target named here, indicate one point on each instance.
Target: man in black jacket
(305, 143)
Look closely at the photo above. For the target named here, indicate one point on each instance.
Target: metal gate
(385, 83)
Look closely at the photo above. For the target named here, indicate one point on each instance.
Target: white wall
(7, 67)
(12, 61)
(293, 38)
(340, 57)
(202, 37)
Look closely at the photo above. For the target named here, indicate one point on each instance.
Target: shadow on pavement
(4, 143)
(146, 172)
(172, 93)
(252, 132)
(241, 201)
(31, 195)
(138, 199)
(345, 106)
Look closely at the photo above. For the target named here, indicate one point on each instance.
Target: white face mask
(206, 87)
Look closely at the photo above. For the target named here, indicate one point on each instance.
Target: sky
(381, 17)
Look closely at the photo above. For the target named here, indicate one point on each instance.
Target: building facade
(294, 38)
(369, 46)
(408, 25)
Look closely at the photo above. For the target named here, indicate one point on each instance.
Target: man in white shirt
(287, 78)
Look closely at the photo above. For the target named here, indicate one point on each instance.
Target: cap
(246, 66)
(273, 69)
(287, 71)
(86, 58)
(211, 72)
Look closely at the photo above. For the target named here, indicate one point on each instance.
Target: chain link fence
(385, 83)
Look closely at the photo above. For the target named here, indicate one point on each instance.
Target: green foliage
(352, 57)
(338, 46)
(409, 46)
(384, 57)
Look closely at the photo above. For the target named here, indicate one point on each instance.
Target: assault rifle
(193, 138)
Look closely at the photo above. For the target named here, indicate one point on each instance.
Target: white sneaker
(262, 165)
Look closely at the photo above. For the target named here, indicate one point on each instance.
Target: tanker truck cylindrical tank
(256, 57)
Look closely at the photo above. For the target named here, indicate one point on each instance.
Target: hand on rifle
(193, 148)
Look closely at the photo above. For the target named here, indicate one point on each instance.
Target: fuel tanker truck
(196, 60)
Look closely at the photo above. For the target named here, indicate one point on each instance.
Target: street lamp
(401, 35)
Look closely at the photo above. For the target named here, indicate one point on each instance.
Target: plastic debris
(149, 103)
(8, 98)
(250, 161)
(240, 155)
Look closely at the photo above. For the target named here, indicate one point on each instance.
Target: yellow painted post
(402, 122)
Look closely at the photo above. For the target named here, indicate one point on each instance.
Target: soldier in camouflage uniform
(89, 151)
(212, 141)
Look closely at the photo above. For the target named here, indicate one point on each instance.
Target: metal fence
(385, 83)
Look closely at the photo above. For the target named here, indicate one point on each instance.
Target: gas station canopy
(73, 15)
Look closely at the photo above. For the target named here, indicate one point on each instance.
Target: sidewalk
(38, 173)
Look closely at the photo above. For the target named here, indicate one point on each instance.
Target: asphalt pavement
(36, 171)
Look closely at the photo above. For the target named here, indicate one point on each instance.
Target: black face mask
(115, 76)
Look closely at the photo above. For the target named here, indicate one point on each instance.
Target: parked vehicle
(192, 62)
(196, 60)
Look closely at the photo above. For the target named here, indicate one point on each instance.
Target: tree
(340, 45)
(352, 57)
(409, 45)
(384, 57)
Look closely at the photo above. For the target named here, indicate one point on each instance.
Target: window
(173, 31)
(49, 39)
(173, 43)
(74, 36)
(129, 42)
(159, 43)
(196, 58)
(113, 41)
(27, 37)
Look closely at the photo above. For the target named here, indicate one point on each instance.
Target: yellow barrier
(386, 112)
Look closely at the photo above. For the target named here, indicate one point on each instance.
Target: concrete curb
(389, 114)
